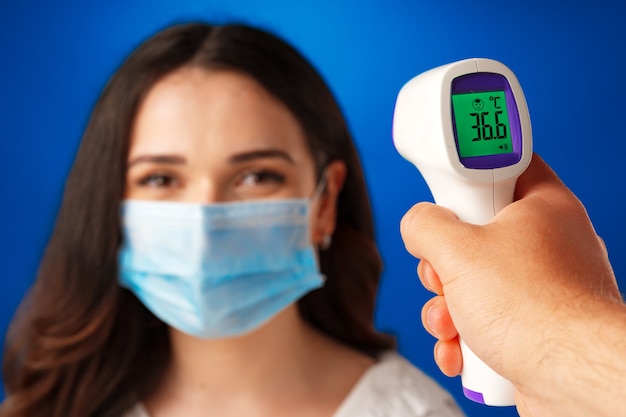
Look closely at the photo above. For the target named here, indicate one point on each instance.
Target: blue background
(569, 58)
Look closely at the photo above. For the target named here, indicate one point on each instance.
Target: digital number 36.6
(484, 131)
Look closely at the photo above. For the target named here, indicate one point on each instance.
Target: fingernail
(427, 274)
(430, 319)
(429, 285)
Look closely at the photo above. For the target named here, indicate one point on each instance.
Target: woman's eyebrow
(261, 154)
(157, 159)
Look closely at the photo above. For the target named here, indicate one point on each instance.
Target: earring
(326, 242)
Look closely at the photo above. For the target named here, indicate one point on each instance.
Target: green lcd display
(482, 123)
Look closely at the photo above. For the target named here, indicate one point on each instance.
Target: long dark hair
(80, 345)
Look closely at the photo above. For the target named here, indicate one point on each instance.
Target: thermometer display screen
(482, 123)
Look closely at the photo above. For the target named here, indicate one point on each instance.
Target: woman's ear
(326, 213)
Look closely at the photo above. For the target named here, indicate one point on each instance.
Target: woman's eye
(159, 181)
(261, 177)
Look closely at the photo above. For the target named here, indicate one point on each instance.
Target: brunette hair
(81, 345)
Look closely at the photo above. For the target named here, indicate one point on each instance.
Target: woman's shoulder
(394, 387)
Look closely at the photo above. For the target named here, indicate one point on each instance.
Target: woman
(236, 175)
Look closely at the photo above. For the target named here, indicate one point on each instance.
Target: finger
(437, 321)
(448, 357)
(429, 278)
(426, 225)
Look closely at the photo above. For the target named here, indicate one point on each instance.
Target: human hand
(509, 286)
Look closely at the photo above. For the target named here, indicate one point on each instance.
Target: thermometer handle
(482, 384)
(475, 203)
(478, 204)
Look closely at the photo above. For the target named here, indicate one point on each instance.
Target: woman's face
(216, 136)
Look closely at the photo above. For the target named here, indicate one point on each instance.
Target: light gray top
(392, 387)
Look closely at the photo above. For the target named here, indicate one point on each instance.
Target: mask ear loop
(319, 190)
(321, 187)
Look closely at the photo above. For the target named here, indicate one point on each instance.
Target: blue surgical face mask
(218, 270)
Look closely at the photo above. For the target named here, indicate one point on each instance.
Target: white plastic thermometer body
(466, 127)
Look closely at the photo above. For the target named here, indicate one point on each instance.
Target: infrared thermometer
(466, 128)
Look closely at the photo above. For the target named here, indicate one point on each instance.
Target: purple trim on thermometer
(482, 82)
(474, 396)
